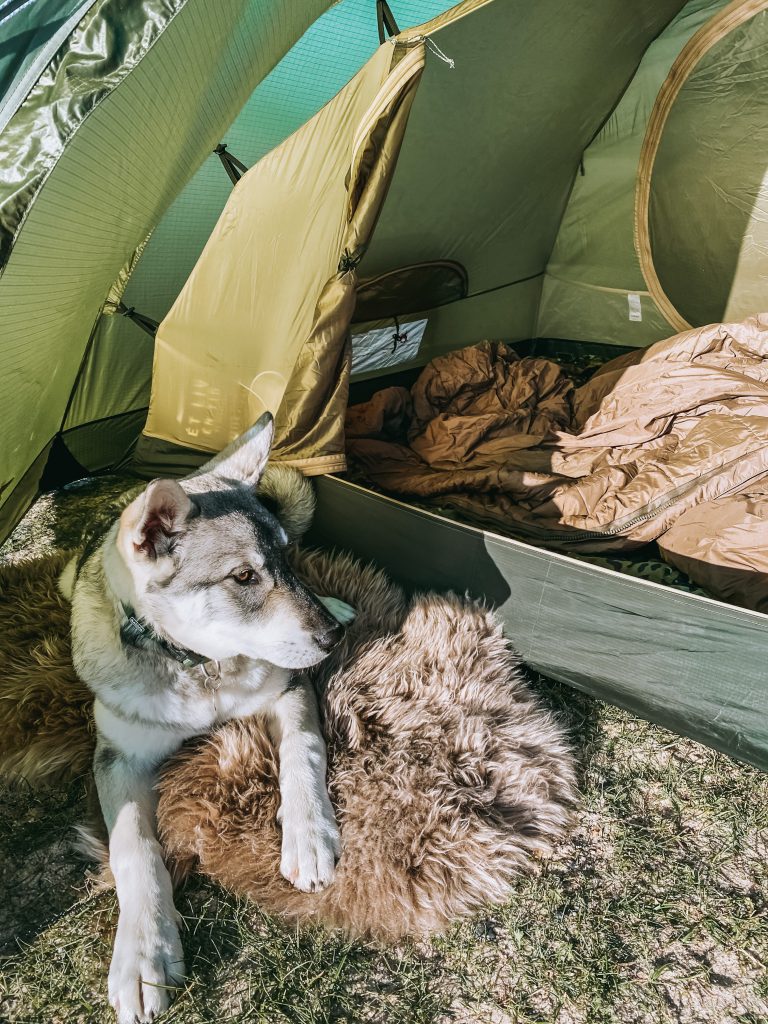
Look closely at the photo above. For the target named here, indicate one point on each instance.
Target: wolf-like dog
(186, 614)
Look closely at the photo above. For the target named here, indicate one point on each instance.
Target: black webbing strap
(146, 323)
(398, 335)
(235, 168)
(386, 21)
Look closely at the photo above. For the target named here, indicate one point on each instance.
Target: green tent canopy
(199, 202)
(110, 116)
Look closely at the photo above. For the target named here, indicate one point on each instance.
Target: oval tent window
(708, 202)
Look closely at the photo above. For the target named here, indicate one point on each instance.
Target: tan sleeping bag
(608, 466)
(723, 545)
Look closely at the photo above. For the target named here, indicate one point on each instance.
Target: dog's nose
(327, 640)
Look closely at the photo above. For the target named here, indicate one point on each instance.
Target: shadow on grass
(244, 965)
(41, 875)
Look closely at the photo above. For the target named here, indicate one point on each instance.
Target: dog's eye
(244, 576)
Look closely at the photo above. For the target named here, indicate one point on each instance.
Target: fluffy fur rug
(447, 774)
(46, 730)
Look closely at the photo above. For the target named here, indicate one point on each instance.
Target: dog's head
(207, 563)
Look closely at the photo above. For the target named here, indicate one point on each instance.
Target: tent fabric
(30, 33)
(269, 280)
(314, 70)
(689, 663)
(112, 380)
(318, 66)
(309, 428)
(493, 146)
(505, 312)
(81, 75)
(711, 112)
(494, 186)
(81, 184)
(204, 397)
(520, 161)
(594, 269)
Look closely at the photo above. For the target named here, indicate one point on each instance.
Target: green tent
(501, 169)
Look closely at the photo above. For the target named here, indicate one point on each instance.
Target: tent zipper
(647, 512)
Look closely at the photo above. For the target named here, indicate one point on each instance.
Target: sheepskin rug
(46, 729)
(448, 775)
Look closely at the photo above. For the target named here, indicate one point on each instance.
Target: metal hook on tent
(235, 168)
(385, 20)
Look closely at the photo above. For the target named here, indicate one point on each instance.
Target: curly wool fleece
(447, 775)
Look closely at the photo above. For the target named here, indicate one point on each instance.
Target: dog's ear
(245, 458)
(159, 514)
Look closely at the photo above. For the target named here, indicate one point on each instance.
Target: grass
(654, 911)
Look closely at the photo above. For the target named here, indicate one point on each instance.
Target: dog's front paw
(147, 965)
(311, 847)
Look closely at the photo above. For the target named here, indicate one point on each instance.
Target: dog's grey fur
(172, 560)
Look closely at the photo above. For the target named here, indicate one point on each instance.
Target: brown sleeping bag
(668, 443)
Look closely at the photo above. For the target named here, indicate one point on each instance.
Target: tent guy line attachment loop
(235, 168)
(432, 45)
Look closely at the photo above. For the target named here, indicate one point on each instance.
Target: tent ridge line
(441, 21)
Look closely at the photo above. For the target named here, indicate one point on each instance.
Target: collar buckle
(137, 633)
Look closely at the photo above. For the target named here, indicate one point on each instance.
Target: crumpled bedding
(665, 444)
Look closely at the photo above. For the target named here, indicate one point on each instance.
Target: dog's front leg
(147, 962)
(311, 843)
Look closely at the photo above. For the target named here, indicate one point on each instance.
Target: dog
(186, 614)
